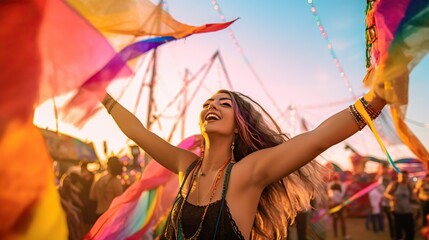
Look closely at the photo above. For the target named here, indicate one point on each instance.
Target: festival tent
(414, 166)
(67, 151)
(63, 147)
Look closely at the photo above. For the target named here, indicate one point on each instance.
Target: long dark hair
(281, 200)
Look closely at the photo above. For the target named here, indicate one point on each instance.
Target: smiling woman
(249, 180)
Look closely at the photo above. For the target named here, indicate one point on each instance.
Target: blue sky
(282, 48)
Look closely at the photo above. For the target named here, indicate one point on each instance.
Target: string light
(164, 5)
(331, 49)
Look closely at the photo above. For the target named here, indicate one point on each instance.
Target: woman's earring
(232, 150)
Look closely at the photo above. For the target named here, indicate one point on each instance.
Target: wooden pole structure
(185, 100)
(150, 102)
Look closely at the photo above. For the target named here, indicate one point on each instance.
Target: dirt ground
(356, 229)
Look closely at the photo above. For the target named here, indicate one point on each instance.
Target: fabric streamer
(354, 197)
(361, 109)
(386, 129)
(133, 27)
(70, 58)
(27, 191)
(127, 21)
(83, 104)
(397, 39)
(130, 214)
(144, 205)
(322, 214)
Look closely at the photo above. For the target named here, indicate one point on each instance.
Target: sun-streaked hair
(282, 200)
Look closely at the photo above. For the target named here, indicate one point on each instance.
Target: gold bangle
(107, 100)
(111, 106)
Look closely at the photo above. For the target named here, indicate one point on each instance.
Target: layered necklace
(179, 231)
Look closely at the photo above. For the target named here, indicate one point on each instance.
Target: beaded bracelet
(360, 122)
(373, 114)
(357, 117)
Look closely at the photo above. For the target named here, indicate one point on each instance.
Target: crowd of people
(397, 203)
(86, 195)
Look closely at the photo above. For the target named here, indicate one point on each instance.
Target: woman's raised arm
(274, 163)
(173, 158)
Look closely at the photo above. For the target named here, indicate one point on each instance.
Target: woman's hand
(375, 100)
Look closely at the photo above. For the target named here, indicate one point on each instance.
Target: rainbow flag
(134, 212)
(142, 208)
(128, 21)
(397, 38)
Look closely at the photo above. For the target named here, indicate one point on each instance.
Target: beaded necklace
(179, 232)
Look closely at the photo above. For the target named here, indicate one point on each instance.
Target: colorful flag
(128, 21)
(133, 28)
(397, 39)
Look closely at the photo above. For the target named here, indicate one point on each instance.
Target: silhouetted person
(88, 209)
(375, 199)
(336, 193)
(422, 191)
(400, 195)
(108, 186)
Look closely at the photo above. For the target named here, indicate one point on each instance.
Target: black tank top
(218, 223)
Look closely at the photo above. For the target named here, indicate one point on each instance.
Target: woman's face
(217, 115)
